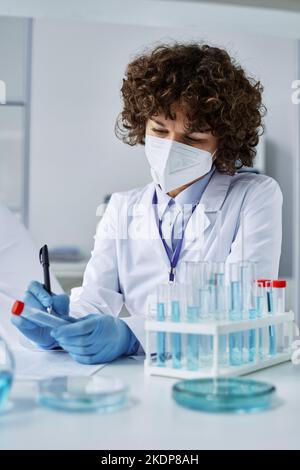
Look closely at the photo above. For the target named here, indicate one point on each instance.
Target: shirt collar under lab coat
(191, 195)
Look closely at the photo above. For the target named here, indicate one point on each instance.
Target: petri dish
(68, 393)
(233, 395)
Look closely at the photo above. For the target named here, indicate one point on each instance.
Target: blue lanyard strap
(173, 256)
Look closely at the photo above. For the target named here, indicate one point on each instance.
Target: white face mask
(174, 164)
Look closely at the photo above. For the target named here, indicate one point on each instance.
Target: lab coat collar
(216, 191)
(211, 201)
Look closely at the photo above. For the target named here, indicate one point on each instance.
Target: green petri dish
(68, 393)
(232, 395)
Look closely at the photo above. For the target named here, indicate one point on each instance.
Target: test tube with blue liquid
(272, 328)
(192, 312)
(218, 303)
(205, 313)
(248, 307)
(253, 313)
(7, 368)
(176, 305)
(261, 310)
(161, 314)
(235, 313)
(269, 333)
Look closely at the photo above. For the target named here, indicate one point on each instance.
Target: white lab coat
(19, 258)
(125, 270)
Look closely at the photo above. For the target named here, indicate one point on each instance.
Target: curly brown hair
(212, 90)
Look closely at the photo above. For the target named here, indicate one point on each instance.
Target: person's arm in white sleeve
(100, 290)
(262, 216)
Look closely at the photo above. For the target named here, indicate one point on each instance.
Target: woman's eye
(195, 140)
(159, 131)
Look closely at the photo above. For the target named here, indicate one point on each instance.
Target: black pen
(44, 260)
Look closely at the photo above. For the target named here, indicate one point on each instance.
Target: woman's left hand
(96, 339)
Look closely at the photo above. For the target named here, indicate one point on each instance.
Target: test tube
(175, 299)
(161, 316)
(279, 286)
(235, 313)
(268, 309)
(247, 276)
(199, 347)
(217, 291)
(205, 312)
(272, 328)
(192, 313)
(253, 313)
(218, 303)
(261, 310)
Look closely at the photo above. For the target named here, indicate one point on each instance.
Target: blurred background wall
(59, 154)
(75, 157)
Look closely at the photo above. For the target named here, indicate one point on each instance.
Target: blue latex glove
(36, 296)
(96, 338)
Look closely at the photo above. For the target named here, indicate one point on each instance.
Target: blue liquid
(259, 306)
(5, 385)
(272, 330)
(206, 350)
(259, 311)
(236, 348)
(176, 337)
(161, 337)
(235, 310)
(252, 337)
(192, 341)
(219, 296)
(235, 339)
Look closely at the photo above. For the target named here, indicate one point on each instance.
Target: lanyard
(172, 255)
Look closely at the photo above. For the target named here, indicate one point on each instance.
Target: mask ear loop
(212, 156)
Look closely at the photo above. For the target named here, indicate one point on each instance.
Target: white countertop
(154, 420)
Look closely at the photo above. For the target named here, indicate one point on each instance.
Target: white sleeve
(100, 290)
(19, 258)
(262, 209)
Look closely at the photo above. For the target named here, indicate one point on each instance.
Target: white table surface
(154, 420)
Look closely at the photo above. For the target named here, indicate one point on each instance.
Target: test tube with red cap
(39, 317)
(279, 286)
(262, 309)
(269, 309)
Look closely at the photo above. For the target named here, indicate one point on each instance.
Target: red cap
(18, 307)
(263, 282)
(279, 283)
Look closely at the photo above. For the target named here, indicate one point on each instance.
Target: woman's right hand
(36, 296)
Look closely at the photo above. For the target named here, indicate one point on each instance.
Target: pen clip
(41, 256)
(44, 256)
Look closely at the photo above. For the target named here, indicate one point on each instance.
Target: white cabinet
(15, 66)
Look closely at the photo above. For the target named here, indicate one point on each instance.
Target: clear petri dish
(103, 394)
(235, 395)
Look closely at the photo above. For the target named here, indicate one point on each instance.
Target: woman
(199, 117)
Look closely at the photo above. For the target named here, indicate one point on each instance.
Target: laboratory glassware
(77, 393)
(39, 317)
(234, 395)
(7, 369)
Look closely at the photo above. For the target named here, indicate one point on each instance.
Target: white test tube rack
(216, 329)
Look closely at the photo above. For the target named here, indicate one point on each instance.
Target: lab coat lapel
(211, 201)
(148, 221)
